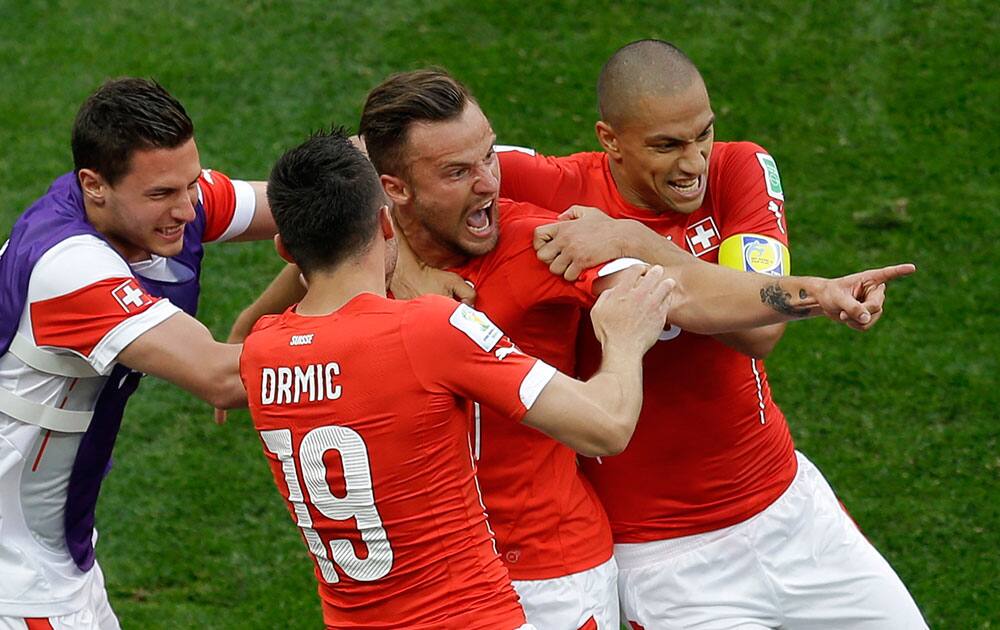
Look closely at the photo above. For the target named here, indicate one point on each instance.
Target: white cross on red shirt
(703, 236)
(129, 295)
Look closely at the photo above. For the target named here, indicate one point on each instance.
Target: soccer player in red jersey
(433, 146)
(362, 402)
(717, 520)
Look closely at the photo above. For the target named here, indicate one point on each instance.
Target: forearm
(286, 289)
(616, 389)
(594, 418)
(182, 351)
(710, 299)
(223, 388)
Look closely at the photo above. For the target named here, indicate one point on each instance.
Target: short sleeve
(749, 188)
(456, 348)
(229, 205)
(527, 176)
(82, 297)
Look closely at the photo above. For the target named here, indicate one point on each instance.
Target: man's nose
(693, 160)
(487, 180)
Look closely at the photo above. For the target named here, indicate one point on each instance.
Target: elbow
(610, 442)
(761, 351)
(227, 397)
(616, 446)
(225, 390)
(762, 348)
(230, 394)
(763, 354)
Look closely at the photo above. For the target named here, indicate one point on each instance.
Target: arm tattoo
(778, 299)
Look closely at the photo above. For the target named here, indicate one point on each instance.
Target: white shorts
(801, 563)
(95, 615)
(588, 599)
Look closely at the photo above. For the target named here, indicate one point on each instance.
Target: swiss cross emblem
(702, 237)
(130, 296)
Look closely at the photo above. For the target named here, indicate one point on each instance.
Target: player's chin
(684, 206)
(480, 245)
(167, 249)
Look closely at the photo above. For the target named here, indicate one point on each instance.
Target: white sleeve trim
(618, 265)
(118, 338)
(534, 382)
(505, 148)
(246, 205)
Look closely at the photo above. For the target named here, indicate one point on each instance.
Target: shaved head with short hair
(647, 67)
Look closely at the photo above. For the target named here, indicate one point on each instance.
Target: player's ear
(279, 245)
(608, 139)
(385, 222)
(93, 185)
(397, 189)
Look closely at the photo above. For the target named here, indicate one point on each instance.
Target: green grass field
(882, 116)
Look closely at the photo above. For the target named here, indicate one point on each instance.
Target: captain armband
(756, 253)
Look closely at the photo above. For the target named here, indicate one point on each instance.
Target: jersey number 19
(358, 501)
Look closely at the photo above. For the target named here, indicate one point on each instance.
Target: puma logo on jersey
(301, 340)
(505, 351)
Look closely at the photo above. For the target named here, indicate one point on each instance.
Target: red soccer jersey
(711, 447)
(366, 431)
(547, 519)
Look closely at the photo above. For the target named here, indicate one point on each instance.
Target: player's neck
(433, 254)
(330, 290)
(426, 247)
(98, 217)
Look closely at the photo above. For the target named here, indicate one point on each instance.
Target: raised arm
(598, 417)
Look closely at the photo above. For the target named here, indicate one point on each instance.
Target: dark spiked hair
(121, 117)
(325, 197)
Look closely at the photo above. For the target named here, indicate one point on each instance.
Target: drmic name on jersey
(284, 385)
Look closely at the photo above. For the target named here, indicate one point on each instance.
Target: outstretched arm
(710, 299)
(181, 350)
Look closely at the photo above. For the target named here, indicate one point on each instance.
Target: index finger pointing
(885, 274)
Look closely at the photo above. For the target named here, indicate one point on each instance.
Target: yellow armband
(753, 252)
